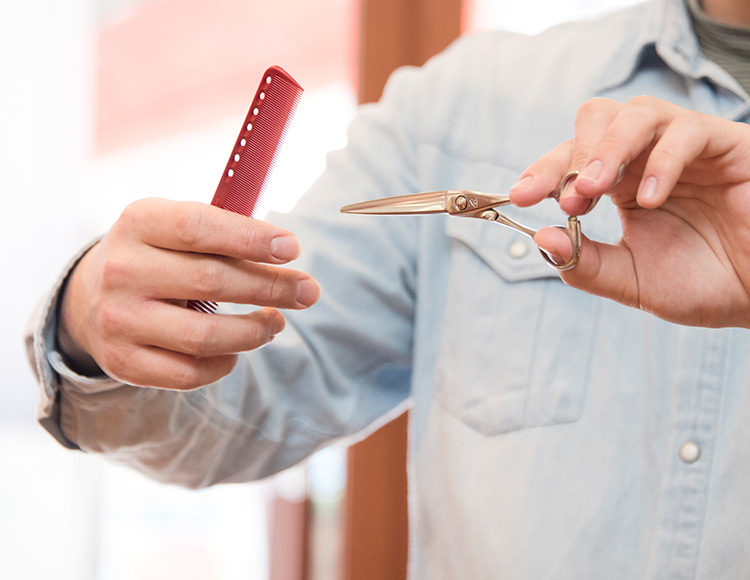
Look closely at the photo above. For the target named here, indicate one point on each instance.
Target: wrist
(73, 353)
(75, 357)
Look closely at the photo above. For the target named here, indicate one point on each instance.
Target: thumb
(602, 269)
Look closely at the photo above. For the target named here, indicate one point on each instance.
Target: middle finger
(186, 276)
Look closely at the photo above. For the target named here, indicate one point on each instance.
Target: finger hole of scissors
(555, 254)
(575, 206)
(567, 179)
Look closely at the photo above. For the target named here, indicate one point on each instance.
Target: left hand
(684, 205)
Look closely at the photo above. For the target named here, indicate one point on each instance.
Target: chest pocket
(517, 342)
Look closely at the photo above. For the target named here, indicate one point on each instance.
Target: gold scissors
(474, 204)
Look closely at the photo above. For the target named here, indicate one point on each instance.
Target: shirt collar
(664, 27)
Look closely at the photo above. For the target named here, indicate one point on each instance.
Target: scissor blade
(428, 202)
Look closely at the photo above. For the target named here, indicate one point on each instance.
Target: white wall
(45, 128)
(45, 121)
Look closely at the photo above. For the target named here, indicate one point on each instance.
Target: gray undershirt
(726, 45)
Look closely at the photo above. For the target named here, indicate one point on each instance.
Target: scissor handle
(573, 229)
(567, 179)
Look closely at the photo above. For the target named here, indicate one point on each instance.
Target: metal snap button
(518, 249)
(690, 452)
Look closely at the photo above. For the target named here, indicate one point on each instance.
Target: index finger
(542, 176)
(592, 120)
(196, 227)
(632, 132)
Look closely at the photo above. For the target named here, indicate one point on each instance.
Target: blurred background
(107, 101)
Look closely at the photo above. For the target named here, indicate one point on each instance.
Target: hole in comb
(243, 143)
(268, 79)
(249, 126)
(230, 172)
(255, 111)
(236, 156)
(262, 96)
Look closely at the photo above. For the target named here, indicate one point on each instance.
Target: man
(554, 434)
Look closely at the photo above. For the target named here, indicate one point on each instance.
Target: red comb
(256, 149)
(257, 145)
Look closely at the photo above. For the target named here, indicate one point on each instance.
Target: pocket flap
(511, 254)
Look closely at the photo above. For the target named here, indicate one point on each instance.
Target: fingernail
(523, 183)
(553, 255)
(284, 248)
(592, 171)
(307, 292)
(620, 173)
(648, 189)
(555, 250)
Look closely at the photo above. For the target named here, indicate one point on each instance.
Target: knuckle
(263, 290)
(208, 277)
(188, 221)
(200, 337)
(275, 286)
(595, 107)
(111, 321)
(114, 273)
(691, 120)
(133, 213)
(277, 289)
(250, 241)
(640, 110)
(116, 361)
(187, 376)
(135, 218)
(591, 106)
(640, 102)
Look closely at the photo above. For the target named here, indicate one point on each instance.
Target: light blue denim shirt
(553, 434)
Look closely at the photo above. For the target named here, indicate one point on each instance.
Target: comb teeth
(256, 150)
(257, 146)
(204, 306)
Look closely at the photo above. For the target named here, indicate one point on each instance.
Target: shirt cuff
(52, 373)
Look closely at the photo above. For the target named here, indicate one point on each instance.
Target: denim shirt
(553, 434)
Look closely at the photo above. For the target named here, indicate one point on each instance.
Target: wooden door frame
(393, 33)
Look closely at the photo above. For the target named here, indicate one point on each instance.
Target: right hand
(683, 204)
(124, 304)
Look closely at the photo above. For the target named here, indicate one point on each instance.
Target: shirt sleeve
(47, 363)
(341, 368)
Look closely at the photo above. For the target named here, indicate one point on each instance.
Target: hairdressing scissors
(474, 204)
